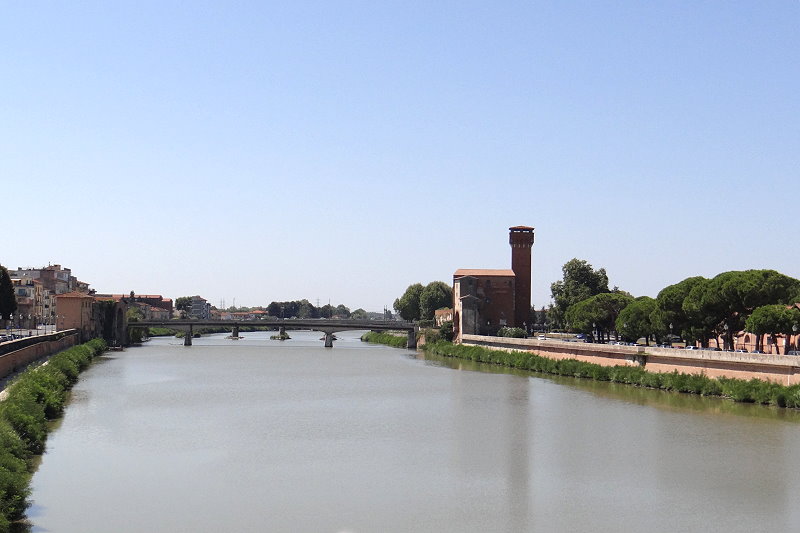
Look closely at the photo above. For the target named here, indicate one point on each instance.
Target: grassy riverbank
(206, 330)
(34, 398)
(388, 339)
(753, 391)
(153, 331)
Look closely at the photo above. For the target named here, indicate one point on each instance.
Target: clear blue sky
(344, 150)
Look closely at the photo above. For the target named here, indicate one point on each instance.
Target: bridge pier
(187, 339)
(412, 340)
(313, 324)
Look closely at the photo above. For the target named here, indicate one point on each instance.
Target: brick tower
(521, 240)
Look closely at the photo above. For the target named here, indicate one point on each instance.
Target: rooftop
(75, 295)
(483, 272)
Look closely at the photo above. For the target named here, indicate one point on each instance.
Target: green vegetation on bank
(34, 398)
(161, 332)
(517, 333)
(206, 330)
(753, 391)
(388, 339)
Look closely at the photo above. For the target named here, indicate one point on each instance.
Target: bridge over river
(325, 325)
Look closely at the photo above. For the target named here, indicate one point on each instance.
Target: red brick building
(484, 300)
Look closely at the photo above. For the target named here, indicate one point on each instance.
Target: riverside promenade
(781, 369)
(17, 354)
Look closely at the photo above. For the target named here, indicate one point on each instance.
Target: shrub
(446, 331)
(385, 338)
(517, 333)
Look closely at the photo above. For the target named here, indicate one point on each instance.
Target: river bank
(738, 390)
(33, 400)
(385, 338)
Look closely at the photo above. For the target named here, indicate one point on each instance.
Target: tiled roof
(483, 272)
(75, 295)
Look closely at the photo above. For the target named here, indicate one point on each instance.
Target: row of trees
(421, 302)
(289, 309)
(696, 309)
(305, 309)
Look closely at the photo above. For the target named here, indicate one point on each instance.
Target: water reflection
(628, 393)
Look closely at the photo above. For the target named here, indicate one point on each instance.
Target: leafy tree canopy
(597, 313)
(580, 282)
(634, 321)
(773, 320)
(670, 305)
(184, 303)
(408, 304)
(435, 295)
(8, 300)
(721, 305)
(359, 314)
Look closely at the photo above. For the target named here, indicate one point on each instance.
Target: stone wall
(783, 369)
(22, 352)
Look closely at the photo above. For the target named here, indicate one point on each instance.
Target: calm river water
(259, 436)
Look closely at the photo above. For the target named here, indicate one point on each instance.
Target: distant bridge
(325, 325)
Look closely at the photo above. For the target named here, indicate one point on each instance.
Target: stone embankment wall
(782, 369)
(22, 352)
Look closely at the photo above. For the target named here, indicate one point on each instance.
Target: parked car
(542, 337)
(692, 348)
(793, 352)
(740, 351)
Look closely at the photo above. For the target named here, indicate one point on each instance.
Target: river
(257, 435)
